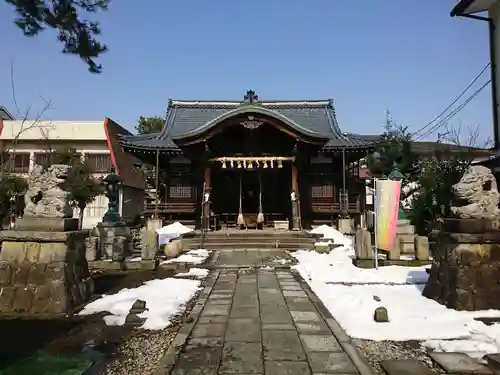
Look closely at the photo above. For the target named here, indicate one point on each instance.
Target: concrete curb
(167, 362)
(350, 349)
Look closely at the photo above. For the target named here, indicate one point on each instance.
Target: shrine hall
(250, 163)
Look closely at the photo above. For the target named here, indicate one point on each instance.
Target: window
(18, 162)
(42, 158)
(180, 192)
(99, 163)
(322, 191)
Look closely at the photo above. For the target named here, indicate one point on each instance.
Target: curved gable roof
(251, 109)
(314, 118)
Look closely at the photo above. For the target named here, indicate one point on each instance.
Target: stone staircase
(252, 239)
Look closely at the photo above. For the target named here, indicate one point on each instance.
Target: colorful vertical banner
(387, 194)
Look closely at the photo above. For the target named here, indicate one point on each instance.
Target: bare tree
(12, 185)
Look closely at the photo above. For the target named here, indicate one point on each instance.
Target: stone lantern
(113, 184)
(113, 236)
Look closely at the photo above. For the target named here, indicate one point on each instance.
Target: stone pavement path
(249, 257)
(256, 321)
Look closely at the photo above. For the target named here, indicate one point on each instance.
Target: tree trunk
(80, 214)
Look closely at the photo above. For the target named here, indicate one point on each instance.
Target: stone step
(459, 363)
(405, 367)
(493, 361)
(258, 233)
(247, 245)
(267, 240)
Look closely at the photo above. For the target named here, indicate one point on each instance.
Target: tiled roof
(313, 118)
(124, 162)
(5, 114)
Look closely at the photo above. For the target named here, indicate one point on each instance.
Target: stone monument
(43, 270)
(465, 273)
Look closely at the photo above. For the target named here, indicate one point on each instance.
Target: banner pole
(375, 222)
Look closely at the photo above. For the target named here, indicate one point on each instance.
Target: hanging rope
(241, 220)
(260, 216)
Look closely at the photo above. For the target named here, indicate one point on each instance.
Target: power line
(453, 103)
(454, 112)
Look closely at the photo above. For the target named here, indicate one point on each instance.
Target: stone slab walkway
(249, 258)
(256, 321)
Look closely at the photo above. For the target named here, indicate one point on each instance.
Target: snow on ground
(192, 256)
(199, 273)
(164, 298)
(351, 295)
(174, 230)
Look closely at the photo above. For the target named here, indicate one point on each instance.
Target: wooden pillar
(206, 177)
(296, 220)
(206, 202)
(295, 185)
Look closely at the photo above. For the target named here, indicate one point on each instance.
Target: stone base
(281, 224)
(465, 273)
(43, 273)
(115, 241)
(472, 226)
(142, 265)
(370, 263)
(47, 224)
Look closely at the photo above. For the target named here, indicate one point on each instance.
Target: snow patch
(352, 294)
(164, 298)
(192, 256)
(199, 273)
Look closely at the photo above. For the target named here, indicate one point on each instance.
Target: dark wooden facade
(256, 153)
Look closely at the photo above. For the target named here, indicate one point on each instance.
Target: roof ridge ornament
(250, 97)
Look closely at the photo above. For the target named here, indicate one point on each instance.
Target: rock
(479, 188)
(138, 307)
(381, 315)
(134, 320)
(322, 249)
(173, 248)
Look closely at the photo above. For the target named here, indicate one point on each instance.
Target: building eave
(465, 7)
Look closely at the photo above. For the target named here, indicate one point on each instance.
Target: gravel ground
(376, 351)
(141, 352)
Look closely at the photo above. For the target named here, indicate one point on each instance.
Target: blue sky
(408, 56)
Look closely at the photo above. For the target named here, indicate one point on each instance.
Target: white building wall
(86, 137)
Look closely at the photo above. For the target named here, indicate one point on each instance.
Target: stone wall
(465, 273)
(43, 273)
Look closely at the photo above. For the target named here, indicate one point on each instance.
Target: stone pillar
(296, 220)
(421, 248)
(395, 253)
(464, 273)
(363, 244)
(149, 239)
